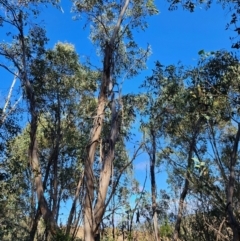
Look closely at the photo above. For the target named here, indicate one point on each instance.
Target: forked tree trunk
(89, 226)
(93, 216)
(106, 171)
(88, 171)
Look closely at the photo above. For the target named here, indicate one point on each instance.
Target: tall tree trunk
(35, 224)
(113, 208)
(56, 142)
(34, 162)
(33, 147)
(38, 213)
(88, 171)
(106, 171)
(234, 224)
(93, 216)
(180, 208)
(96, 132)
(73, 208)
(105, 175)
(184, 191)
(152, 155)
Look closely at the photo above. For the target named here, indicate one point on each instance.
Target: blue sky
(174, 36)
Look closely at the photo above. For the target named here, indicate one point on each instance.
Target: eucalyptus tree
(62, 130)
(151, 134)
(206, 133)
(63, 83)
(10, 218)
(122, 164)
(16, 198)
(39, 71)
(220, 78)
(112, 23)
(166, 107)
(12, 223)
(26, 43)
(178, 118)
(9, 126)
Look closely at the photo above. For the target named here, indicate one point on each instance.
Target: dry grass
(107, 235)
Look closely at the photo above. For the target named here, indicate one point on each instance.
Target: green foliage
(128, 58)
(194, 113)
(166, 230)
(195, 107)
(61, 236)
(108, 237)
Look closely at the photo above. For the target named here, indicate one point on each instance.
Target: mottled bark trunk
(96, 132)
(152, 155)
(113, 207)
(92, 217)
(33, 157)
(33, 206)
(88, 171)
(89, 225)
(105, 175)
(21, 62)
(234, 224)
(106, 171)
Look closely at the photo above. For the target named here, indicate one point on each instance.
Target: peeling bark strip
(93, 216)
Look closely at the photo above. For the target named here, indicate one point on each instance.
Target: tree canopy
(74, 132)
